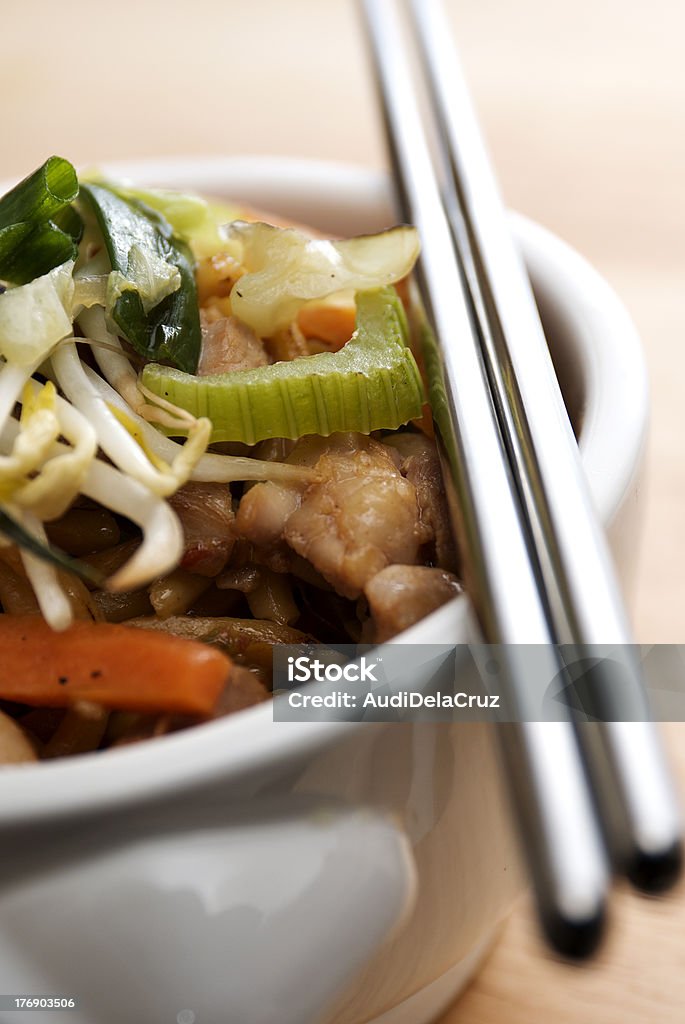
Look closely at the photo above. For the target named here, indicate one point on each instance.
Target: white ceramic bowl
(258, 872)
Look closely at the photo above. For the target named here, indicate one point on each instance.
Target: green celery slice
(372, 383)
(172, 329)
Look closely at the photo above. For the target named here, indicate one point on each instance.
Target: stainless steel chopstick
(543, 762)
(623, 753)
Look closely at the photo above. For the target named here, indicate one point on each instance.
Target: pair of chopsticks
(587, 795)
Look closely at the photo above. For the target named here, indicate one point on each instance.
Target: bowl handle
(252, 915)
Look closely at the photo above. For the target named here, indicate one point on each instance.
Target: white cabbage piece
(89, 290)
(149, 275)
(286, 268)
(34, 317)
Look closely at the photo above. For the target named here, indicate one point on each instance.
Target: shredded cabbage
(34, 317)
(148, 275)
(89, 290)
(285, 269)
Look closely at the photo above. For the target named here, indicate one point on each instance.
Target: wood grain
(638, 976)
(583, 107)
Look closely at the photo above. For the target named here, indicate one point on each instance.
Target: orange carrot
(331, 323)
(117, 666)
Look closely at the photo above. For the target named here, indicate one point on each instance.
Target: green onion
(40, 196)
(70, 221)
(32, 239)
(43, 249)
(372, 383)
(171, 329)
(15, 532)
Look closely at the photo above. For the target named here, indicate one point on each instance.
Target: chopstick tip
(654, 872)
(575, 939)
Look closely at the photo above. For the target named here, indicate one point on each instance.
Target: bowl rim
(237, 745)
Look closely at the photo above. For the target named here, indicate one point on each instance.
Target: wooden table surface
(583, 106)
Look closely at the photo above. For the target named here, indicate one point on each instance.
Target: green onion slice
(372, 383)
(70, 221)
(41, 195)
(45, 247)
(34, 237)
(15, 532)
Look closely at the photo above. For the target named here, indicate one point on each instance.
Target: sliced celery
(372, 383)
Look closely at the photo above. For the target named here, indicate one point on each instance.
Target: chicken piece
(206, 514)
(228, 344)
(266, 507)
(360, 516)
(263, 512)
(420, 464)
(287, 344)
(401, 595)
(357, 517)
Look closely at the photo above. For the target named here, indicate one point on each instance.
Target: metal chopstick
(622, 750)
(544, 766)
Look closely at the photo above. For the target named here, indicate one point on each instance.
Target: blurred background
(583, 108)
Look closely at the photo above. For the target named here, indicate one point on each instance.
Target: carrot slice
(117, 666)
(331, 323)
